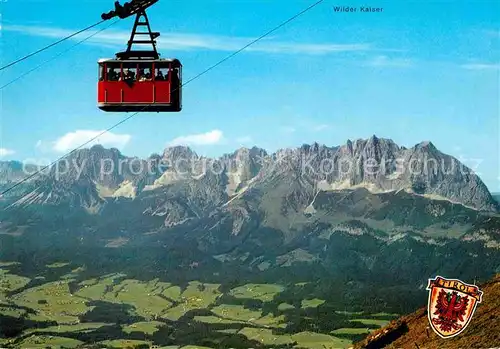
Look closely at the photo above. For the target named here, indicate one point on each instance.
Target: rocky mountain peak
(249, 152)
(425, 144)
(314, 148)
(373, 139)
(98, 147)
(427, 147)
(254, 151)
(105, 166)
(179, 151)
(241, 166)
(93, 154)
(382, 166)
(241, 153)
(379, 143)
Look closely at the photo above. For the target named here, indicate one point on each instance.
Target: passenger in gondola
(112, 75)
(159, 76)
(174, 85)
(142, 75)
(130, 75)
(174, 76)
(124, 75)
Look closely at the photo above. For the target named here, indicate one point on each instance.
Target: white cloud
(384, 61)
(186, 41)
(72, 140)
(208, 138)
(6, 152)
(481, 66)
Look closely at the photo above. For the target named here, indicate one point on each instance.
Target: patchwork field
(116, 311)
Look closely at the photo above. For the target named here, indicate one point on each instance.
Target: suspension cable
(49, 46)
(58, 55)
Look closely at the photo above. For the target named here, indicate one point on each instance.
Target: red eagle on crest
(450, 309)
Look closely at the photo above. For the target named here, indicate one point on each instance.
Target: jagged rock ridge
(91, 176)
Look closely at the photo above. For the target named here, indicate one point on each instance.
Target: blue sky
(416, 71)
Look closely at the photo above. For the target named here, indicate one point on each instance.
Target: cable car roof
(163, 60)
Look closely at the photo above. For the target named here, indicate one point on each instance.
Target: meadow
(68, 309)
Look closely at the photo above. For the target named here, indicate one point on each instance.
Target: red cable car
(139, 81)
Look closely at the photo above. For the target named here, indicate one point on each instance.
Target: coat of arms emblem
(451, 305)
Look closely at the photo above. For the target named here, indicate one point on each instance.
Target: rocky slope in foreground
(412, 331)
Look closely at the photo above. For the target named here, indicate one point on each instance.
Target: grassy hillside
(413, 331)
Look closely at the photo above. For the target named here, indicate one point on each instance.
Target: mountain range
(368, 221)
(89, 177)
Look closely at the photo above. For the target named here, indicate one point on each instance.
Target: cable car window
(101, 72)
(130, 71)
(174, 76)
(161, 72)
(145, 71)
(113, 71)
(175, 85)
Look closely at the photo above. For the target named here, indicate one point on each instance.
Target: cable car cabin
(140, 85)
